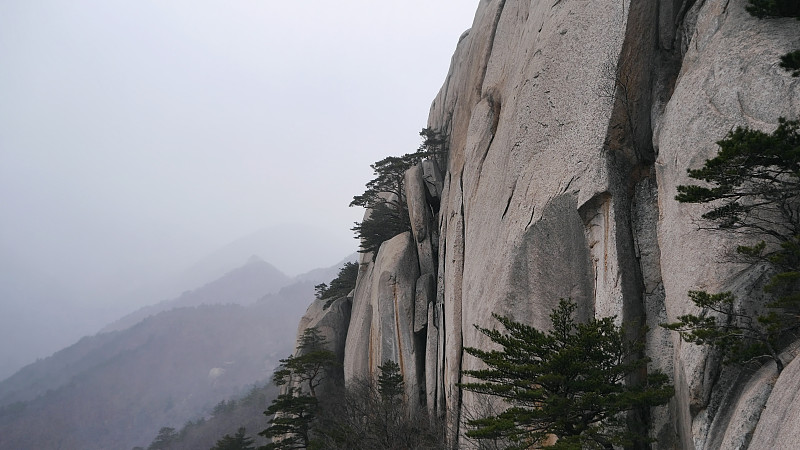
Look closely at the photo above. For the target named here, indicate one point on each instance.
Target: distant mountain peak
(254, 259)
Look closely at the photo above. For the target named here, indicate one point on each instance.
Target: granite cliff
(570, 124)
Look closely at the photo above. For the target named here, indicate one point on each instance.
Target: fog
(138, 139)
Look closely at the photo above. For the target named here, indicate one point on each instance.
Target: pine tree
(753, 186)
(385, 194)
(390, 381)
(165, 437)
(295, 410)
(774, 8)
(236, 442)
(310, 366)
(340, 286)
(569, 383)
(292, 414)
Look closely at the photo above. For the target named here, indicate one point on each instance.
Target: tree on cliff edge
(385, 196)
(294, 411)
(753, 188)
(570, 383)
(340, 286)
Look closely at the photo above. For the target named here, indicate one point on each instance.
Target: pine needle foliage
(385, 194)
(292, 416)
(310, 366)
(238, 441)
(753, 188)
(390, 381)
(340, 286)
(570, 383)
(295, 410)
(791, 62)
(774, 8)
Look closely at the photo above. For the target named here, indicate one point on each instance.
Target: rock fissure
(498, 13)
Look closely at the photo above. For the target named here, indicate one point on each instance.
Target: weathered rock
(383, 318)
(552, 109)
(332, 323)
(356, 362)
(425, 294)
(729, 77)
(432, 176)
(419, 213)
(528, 131)
(570, 126)
(778, 426)
(431, 361)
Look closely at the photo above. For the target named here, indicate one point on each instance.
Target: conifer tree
(570, 383)
(238, 441)
(753, 187)
(385, 194)
(340, 286)
(295, 410)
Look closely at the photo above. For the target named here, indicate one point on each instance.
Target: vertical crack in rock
(508, 204)
(596, 217)
(494, 114)
(455, 404)
(493, 33)
(398, 335)
(658, 341)
(629, 139)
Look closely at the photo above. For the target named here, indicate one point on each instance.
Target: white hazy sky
(138, 136)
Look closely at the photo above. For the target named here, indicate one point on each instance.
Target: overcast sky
(138, 137)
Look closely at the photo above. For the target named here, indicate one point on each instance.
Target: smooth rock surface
(425, 294)
(779, 426)
(382, 328)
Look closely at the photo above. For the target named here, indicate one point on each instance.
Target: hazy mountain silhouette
(243, 285)
(117, 388)
(38, 315)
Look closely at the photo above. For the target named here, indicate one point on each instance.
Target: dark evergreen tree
(383, 223)
(292, 415)
(774, 8)
(390, 381)
(294, 411)
(238, 441)
(165, 437)
(310, 366)
(385, 194)
(435, 146)
(753, 185)
(571, 383)
(340, 286)
(791, 62)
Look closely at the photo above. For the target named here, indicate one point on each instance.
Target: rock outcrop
(570, 125)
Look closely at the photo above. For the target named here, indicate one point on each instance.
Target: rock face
(383, 325)
(570, 125)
